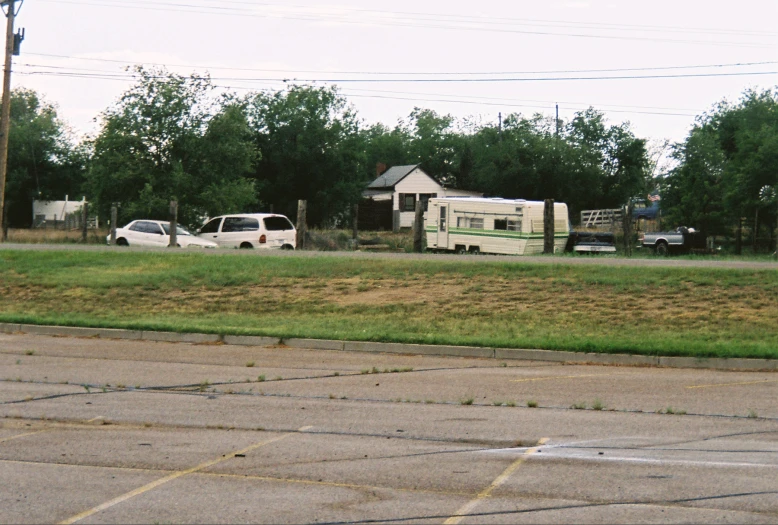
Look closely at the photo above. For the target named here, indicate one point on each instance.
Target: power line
(220, 10)
(441, 17)
(389, 73)
(465, 80)
(416, 98)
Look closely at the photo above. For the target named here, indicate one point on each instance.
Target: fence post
(302, 229)
(114, 215)
(418, 227)
(173, 224)
(548, 226)
(627, 229)
(355, 226)
(84, 215)
(395, 221)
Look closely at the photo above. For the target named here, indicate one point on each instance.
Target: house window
(407, 202)
(425, 199)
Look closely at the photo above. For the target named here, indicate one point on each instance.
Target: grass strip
(703, 312)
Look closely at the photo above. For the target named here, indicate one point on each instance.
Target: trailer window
(475, 223)
(505, 224)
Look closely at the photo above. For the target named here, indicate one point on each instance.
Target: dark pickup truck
(681, 240)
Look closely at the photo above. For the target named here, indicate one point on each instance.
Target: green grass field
(480, 301)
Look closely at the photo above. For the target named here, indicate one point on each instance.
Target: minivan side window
(277, 224)
(240, 224)
(211, 226)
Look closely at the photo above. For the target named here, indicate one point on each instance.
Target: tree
(724, 166)
(43, 163)
(620, 160)
(167, 139)
(693, 194)
(311, 149)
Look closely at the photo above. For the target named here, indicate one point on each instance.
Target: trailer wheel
(475, 250)
(662, 249)
(460, 249)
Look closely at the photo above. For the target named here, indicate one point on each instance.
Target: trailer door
(443, 227)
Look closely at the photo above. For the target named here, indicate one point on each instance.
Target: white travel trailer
(492, 225)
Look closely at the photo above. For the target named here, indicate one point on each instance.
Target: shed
(389, 202)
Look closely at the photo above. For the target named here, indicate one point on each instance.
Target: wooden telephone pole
(9, 6)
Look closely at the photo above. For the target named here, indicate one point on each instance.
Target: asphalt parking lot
(108, 431)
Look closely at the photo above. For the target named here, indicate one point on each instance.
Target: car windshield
(179, 230)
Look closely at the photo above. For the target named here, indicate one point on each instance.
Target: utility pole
(499, 125)
(556, 122)
(11, 47)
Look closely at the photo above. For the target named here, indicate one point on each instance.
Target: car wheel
(246, 246)
(662, 249)
(122, 242)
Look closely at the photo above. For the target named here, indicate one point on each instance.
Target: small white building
(390, 200)
(56, 213)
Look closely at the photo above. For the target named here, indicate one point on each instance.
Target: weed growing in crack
(532, 403)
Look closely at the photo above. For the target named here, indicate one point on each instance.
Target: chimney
(380, 168)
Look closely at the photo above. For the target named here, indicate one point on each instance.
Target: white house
(390, 200)
(56, 213)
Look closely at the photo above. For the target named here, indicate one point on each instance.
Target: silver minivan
(250, 230)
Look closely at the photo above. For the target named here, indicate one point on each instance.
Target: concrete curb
(175, 337)
(400, 348)
(314, 344)
(577, 357)
(250, 340)
(10, 328)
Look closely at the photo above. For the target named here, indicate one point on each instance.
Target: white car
(157, 233)
(250, 230)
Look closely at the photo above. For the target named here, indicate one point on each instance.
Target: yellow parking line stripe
(23, 435)
(502, 478)
(171, 477)
(555, 377)
(734, 384)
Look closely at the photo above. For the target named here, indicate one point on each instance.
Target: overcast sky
(389, 57)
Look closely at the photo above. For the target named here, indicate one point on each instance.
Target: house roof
(392, 176)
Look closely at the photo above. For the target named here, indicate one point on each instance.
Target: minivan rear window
(277, 223)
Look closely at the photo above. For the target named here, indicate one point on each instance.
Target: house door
(443, 228)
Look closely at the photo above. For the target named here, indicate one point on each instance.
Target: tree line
(171, 137)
